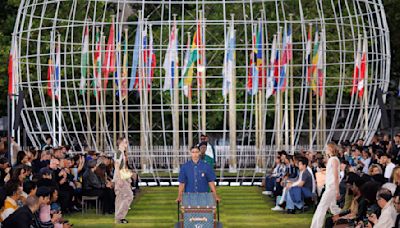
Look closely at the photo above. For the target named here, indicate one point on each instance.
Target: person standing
(196, 176)
(122, 180)
(331, 194)
(207, 151)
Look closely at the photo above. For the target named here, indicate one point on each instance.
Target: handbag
(125, 173)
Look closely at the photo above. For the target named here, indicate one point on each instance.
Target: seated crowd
(369, 183)
(40, 186)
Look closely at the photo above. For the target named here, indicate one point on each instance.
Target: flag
(357, 63)
(152, 61)
(320, 66)
(364, 68)
(50, 78)
(13, 68)
(187, 88)
(171, 60)
(109, 60)
(308, 55)
(135, 59)
(285, 57)
(315, 62)
(118, 74)
(229, 61)
(194, 57)
(97, 64)
(84, 59)
(270, 78)
(252, 79)
(124, 79)
(57, 71)
(144, 57)
(260, 57)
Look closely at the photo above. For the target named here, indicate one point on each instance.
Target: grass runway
(155, 207)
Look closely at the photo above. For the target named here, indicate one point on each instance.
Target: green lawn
(240, 206)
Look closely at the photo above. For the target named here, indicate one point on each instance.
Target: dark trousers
(107, 197)
(65, 198)
(270, 183)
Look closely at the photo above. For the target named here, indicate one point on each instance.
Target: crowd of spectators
(369, 183)
(39, 186)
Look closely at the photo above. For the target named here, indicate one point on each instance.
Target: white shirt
(330, 178)
(389, 170)
(388, 216)
(366, 163)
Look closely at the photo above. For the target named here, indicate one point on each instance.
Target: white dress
(328, 199)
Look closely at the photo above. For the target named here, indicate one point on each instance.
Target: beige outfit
(123, 190)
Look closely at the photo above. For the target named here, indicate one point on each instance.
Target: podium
(198, 210)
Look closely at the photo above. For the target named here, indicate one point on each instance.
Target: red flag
(50, 79)
(356, 72)
(109, 61)
(363, 70)
(10, 74)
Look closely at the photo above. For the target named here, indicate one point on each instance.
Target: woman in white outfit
(123, 190)
(331, 194)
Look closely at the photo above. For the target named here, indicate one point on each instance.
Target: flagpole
(150, 98)
(59, 93)
(203, 74)
(291, 78)
(280, 94)
(190, 112)
(232, 107)
(263, 89)
(53, 102)
(310, 97)
(277, 97)
(323, 89)
(103, 101)
(126, 93)
(175, 111)
(365, 86)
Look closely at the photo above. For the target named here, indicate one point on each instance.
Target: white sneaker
(267, 193)
(277, 208)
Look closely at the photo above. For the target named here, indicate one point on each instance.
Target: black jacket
(21, 218)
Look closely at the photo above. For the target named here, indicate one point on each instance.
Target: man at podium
(196, 176)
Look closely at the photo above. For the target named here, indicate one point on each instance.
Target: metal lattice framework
(158, 121)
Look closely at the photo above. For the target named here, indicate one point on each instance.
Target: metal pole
(8, 129)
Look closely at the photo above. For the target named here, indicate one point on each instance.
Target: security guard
(196, 176)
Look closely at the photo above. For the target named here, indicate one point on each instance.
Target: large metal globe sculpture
(255, 76)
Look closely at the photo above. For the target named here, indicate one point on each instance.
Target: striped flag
(286, 56)
(357, 63)
(124, 78)
(84, 60)
(13, 68)
(187, 88)
(315, 62)
(270, 78)
(364, 68)
(109, 60)
(260, 57)
(252, 79)
(135, 59)
(320, 66)
(50, 78)
(57, 71)
(152, 61)
(229, 61)
(97, 64)
(171, 60)
(194, 57)
(308, 55)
